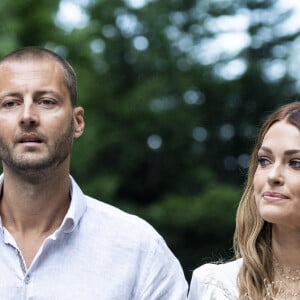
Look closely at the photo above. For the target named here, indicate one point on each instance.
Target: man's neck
(31, 210)
(39, 207)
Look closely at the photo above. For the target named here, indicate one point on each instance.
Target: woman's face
(277, 177)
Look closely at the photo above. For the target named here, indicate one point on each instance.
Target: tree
(173, 92)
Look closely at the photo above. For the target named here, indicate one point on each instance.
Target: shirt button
(27, 279)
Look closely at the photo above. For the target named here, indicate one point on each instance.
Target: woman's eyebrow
(292, 151)
(266, 149)
(287, 152)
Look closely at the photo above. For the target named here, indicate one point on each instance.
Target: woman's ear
(78, 116)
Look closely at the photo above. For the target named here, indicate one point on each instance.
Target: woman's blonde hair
(252, 237)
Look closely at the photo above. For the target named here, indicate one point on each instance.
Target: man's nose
(29, 114)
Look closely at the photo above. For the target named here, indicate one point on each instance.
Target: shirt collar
(76, 209)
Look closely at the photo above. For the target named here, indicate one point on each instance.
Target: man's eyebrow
(37, 93)
(13, 94)
(50, 93)
(43, 92)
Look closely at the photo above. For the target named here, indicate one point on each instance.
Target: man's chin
(30, 165)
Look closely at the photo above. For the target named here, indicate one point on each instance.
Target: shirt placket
(26, 276)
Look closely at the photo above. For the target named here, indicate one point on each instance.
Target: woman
(267, 234)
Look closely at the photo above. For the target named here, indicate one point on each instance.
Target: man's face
(37, 121)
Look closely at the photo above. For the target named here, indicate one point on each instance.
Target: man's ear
(78, 116)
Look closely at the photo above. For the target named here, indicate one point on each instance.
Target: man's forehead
(33, 65)
(28, 61)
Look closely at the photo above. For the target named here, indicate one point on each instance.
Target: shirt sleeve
(200, 290)
(162, 277)
(208, 285)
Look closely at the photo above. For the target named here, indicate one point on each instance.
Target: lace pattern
(209, 280)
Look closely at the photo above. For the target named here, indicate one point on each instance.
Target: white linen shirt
(215, 281)
(98, 252)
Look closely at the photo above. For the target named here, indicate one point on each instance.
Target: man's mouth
(30, 138)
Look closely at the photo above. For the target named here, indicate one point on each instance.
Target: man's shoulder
(110, 222)
(103, 214)
(103, 209)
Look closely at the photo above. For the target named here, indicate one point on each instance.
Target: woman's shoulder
(222, 271)
(215, 281)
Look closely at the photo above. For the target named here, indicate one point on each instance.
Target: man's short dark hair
(35, 52)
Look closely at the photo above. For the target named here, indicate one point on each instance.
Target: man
(56, 242)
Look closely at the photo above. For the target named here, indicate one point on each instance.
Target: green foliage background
(202, 123)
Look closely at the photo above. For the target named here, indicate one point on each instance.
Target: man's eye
(263, 161)
(9, 104)
(47, 102)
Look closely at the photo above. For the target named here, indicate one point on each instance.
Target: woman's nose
(275, 175)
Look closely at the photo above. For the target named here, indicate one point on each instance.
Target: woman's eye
(295, 163)
(263, 161)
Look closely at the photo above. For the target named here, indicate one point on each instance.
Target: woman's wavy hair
(252, 237)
